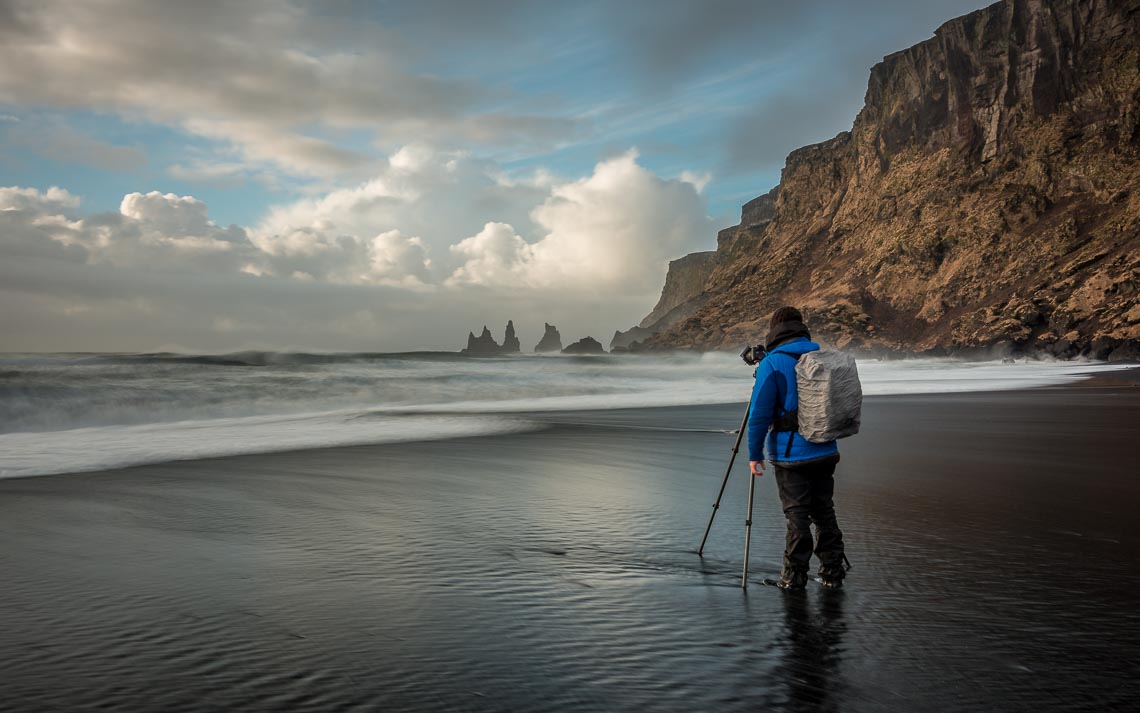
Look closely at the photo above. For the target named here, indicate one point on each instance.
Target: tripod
(751, 490)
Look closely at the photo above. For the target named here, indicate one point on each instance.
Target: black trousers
(806, 495)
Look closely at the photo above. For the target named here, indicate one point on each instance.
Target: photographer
(804, 470)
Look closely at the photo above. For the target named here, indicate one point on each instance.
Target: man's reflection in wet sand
(810, 667)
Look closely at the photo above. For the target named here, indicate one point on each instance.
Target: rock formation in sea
(551, 340)
(585, 345)
(987, 198)
(483, 345)
(510, 341)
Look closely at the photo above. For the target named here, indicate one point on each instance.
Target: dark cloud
(761, 139)
(820, 95)
(668, 41)
(17, 20)
(270, 77)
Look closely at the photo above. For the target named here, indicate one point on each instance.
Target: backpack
(830, 396)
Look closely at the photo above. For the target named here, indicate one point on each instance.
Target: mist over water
(78, 412)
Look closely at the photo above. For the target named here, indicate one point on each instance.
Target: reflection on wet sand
(810, 667)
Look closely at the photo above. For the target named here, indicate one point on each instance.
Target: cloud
(436, 195)
(319, 252)
(167, 213)
(260, 143)
(583, 253)
(763, 136)
(232, 174)
(59, 142)
(398, 260)
(611, 232)
(697, 180)
(151, 231)
(676, 38)
(614, 230)
(54, 200)
(494, 257)
(28, 219)
(273, 78)
(172, 233)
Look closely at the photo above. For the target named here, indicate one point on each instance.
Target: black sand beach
(993, 536)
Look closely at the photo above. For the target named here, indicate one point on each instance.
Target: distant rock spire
(551, 340)
(510, 341)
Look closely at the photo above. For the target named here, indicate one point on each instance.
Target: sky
(387, 176)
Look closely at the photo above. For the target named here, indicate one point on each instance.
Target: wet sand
(994, 541)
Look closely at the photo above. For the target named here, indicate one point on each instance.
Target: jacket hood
(797, 345)
(783, 332)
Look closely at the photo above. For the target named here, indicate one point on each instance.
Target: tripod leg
(727, 472)
(748, 529)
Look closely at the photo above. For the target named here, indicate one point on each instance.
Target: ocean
(63, 413)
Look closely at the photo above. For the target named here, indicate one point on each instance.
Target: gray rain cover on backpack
(831, 397)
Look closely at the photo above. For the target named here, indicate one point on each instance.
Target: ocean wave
(80, 411)
(89, 449)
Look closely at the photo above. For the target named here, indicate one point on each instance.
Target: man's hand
(757, 467)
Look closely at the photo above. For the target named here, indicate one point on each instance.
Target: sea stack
(551, 340)
(585, 345)
(510, 341)
(483, 345)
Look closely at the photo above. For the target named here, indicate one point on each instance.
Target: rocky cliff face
(684, 284)
(987, 196)
(622, 341)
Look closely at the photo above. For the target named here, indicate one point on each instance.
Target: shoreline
(538, 420)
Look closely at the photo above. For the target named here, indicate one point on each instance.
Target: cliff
(622, 341)
(986, 197)
(684, 284)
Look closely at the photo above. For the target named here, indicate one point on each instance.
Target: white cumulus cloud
(612, 231)
(495, 257)
(53, 200)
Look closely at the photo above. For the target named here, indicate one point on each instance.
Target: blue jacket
(776, 387)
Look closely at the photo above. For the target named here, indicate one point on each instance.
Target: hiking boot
(831, 584)
(792, 579)
(831, 577)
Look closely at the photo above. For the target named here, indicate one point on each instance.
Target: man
(804, 470)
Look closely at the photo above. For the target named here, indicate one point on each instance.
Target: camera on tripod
(753, 355)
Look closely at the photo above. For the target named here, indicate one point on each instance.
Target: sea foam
(72, 413)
